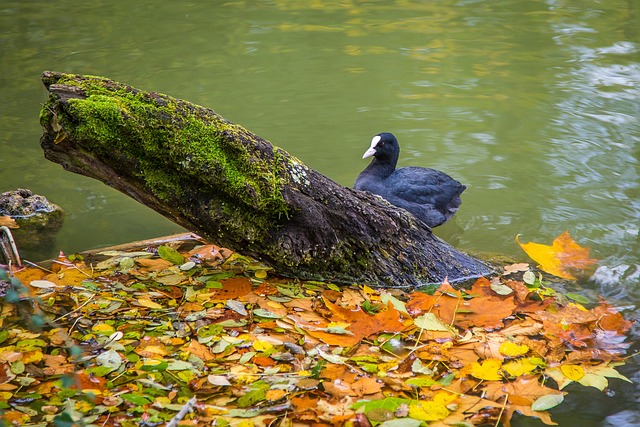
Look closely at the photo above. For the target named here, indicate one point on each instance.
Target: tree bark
(221, 181)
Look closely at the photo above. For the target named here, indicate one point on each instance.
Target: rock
(39, 220)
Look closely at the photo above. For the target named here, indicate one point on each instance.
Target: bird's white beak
(370, 152)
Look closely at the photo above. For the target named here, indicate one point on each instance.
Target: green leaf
(256, 394)
(4, 334)
(151, 365)
(529, 278)
(387, 298)
(501, 289)
(429, 322)
(136, 399)
(429, 289)
(420, 382)
(547, 402)
(580, 299)
(63, 420)
(447, 379)
(171, 255)
(263, 312)
(390, 404)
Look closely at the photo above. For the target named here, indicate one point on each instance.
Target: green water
(534, 105)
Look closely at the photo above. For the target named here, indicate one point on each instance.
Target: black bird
(430, 195)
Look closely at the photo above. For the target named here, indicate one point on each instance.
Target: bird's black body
(430, 195)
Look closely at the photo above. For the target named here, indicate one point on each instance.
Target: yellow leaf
(34, 356)
(488, 370)
(444, 397)
(573, 372)
(562, 257)
(512, 349)
(146, 302)
(153, 350)
(428, 411)
(260, 345)
(520, 367)
(103, 329)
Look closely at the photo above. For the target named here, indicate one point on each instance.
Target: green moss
(171, 145)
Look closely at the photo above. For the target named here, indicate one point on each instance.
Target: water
(534, 105)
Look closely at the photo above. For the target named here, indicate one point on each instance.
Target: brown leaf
(153, 264)
(366, 385)
(515, 268)
(198, 350)
(233, 288)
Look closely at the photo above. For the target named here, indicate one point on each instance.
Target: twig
(188, 407)
(504, 405)
(76, 309)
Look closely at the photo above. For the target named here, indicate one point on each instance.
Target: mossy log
(223, 182)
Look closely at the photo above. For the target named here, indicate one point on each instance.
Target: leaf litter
(203, 336)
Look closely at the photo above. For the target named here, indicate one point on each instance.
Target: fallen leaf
(488, 370)
(430, 322)
(512, 349)
(563, 258)
(573, 372)
(7, 221)
(515, 268)
(428, 411)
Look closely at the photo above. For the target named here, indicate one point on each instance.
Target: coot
(429, 194)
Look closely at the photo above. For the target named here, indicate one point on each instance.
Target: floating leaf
(519, 367)
(430, 322)
(256, 393)
(562, 258)
(549, 401)
(170, 255)
(420, 382)
(146, 302)
(501, 289)
(581, 299)
(573, 372)
(512, 349)
(136, 399)
(218, 380)
(43, 284)
(488, 370)
(428, 411)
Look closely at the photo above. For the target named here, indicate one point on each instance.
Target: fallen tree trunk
(223, 182)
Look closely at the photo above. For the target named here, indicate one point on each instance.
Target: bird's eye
(380, 144)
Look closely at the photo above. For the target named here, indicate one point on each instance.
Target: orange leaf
(7, 221)
(485, 310)
(233, 288)
(199, 350)
(563, 258)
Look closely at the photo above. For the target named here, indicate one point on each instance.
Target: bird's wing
(423, 186)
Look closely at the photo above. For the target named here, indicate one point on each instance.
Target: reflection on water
(533, 105)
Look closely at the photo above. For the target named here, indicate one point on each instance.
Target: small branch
(188, 407)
